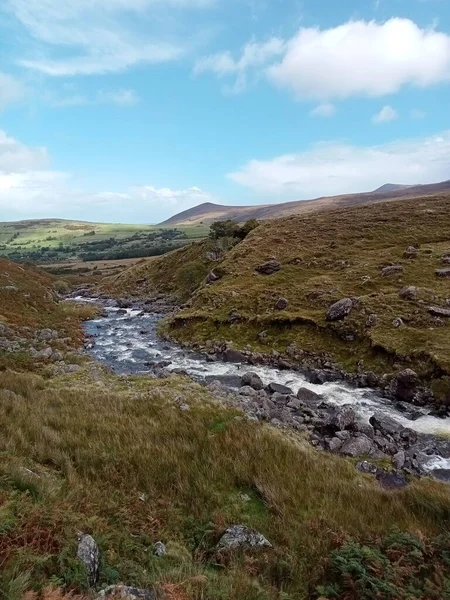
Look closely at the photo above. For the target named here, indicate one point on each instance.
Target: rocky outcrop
(242, 537)
(339, 310)
(88, 554)
(437, 311)
(269, 268)
(124, 592)
(409, 292)
(405, 385)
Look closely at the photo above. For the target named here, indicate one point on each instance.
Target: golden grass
(117, 458)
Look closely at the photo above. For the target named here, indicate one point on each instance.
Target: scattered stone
(391, 270)
(404, 385)
(371, 320)
(359, 446)
(248, 391)
(282, 304)
(398, 460)
(443, 273)
(185, 407)
(269, 268)
(253, 380)
(123, 592)
(159, 549)
(44, 354)
(339, 310)
(277, 388)
(411, 252)
(409, 292)
(397, 322)
(437, 311)
(212, 277)
(88, 554)
(392, 481)
(366, 467)
(240, 536)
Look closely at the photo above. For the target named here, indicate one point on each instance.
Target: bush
(61, 286)
(231, 229)
(189, 277)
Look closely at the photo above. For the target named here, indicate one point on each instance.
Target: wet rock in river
(253, 380)
(273, 388)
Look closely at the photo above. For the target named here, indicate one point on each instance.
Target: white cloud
(326, 109)
(30, 189)
(85, 37)
(357, 58)
(386, 114)
(11, 90)
(338, 168)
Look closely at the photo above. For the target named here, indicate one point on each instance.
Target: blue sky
(133, 110)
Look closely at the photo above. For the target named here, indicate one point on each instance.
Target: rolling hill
(209, 212)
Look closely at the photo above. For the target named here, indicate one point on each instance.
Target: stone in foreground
(392, 481)
(339, 310)
(124, 592)
(437, 311)
(252, 380)
(443, 273)
(159, 549)
(88, 553)
(269, 268)
(242, 537)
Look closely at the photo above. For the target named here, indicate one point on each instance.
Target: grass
(115, 457)
(324, 257)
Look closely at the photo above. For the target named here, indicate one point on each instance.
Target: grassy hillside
(51, 240)
(325, 257)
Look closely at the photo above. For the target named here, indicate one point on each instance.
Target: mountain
(209, 212)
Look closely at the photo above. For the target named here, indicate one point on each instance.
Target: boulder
(212, 277)
(159, 549)
(411, 252)
(392, 481)
(367, 467)
(443, 273)
(371, 320)
(334, 445)
(398, 460)
(405, 385)
(385, 425)
(248, 391)
(88, 554)
(282, 304)
(233, 356)
(269, 268)
(253, 380)
(409, 292)
(242, 537)
(357, 446)
(342, 418)
(339, 310)
(437, 311)
(309, 397)
(391, 270)
(124, 592)
(122, 303)
(277, 388)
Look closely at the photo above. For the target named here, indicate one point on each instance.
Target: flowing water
(128, 343)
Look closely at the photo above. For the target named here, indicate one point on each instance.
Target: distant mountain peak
(392, 187)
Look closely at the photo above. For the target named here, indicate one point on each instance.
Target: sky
(133, 110)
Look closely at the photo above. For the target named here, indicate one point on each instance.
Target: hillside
(325, 257)
(56, 240)
(207, 213)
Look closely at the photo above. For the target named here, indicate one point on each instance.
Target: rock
(248, 391)
(269, 268)
(404, 385)
(339, 310)
(123, 592)
(367, 467)
(212, 277)
(392, 481)
(443, 273)
(159, 549)
(185, 407)
(122, 303)
(233, 356)
(88, 554)
(385, 424)
(397, 322)
(334, 444)
(282, 304)
(44, 354)
(240, 536)
(411, 252)
(45, 335)
(371, 320)
(409, 292)
(398, 460)
(253, 380)
(342, 418)
(277, 388)
(358, 446)
(294, 403)
(391, 270)
(309, 397)
(437, 311)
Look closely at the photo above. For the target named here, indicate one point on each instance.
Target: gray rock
(277, 388)
(443, 273)
(240, 536)
(398, 460)
(342, 418)
(185, 408)
(246, 390)
(44, 354)
(212, 277)
(124, 592)
(392, 481)
(233, 356)
(334, 444)
(339, 310)
(359, 446)
(88, 554)
(309, 397)
(294, 403)
(371, 320)
(45, 335)
(159, 549)
(409, 292)
(391, 270)
(366, 467)
(411, 252)
(282, 304)
(385, 424)
(404, 385)
(398, 322)
(269, 268)
(253, 380)
(437, 311)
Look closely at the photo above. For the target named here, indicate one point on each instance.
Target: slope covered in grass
(118, 458)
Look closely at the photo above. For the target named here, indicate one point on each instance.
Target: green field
(53, 240)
